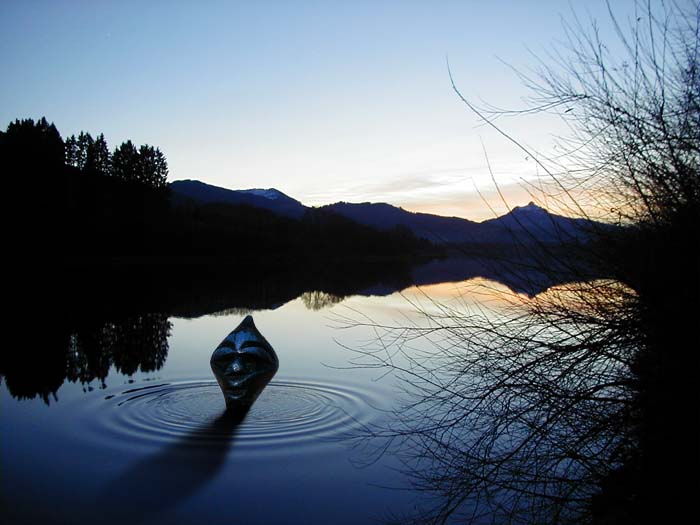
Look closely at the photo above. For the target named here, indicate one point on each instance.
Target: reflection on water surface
(117, 413)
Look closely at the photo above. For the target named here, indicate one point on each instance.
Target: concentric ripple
(289, 416)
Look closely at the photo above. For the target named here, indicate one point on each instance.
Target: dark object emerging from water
(243, 364)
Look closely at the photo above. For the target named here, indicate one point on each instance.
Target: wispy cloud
(462, 192)
(484, 204)
(394, 187)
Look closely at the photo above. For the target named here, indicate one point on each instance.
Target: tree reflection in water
(103, 317)
(86, 353)
(318, 300)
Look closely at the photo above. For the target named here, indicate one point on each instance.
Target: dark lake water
(120, 420)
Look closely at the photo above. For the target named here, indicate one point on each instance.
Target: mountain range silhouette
(522, 225)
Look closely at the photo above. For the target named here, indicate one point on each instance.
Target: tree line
(146, 164)
(40, 143)
(97, 204)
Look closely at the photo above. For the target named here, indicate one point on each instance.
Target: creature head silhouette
(243, 364)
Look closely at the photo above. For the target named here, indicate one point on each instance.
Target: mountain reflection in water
(118, 317)
(138, 427)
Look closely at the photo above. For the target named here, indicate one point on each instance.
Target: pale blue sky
(324, 100)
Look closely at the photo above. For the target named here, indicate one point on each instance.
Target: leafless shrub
(525, 411)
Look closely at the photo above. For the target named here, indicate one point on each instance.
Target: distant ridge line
(522, 225)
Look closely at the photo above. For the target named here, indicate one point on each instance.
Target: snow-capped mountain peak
(270, 193)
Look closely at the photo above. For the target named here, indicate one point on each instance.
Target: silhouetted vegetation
(32, 146)
(577, 405)
(97, 205)
(247, 233)
(145, 165)
(112, 257)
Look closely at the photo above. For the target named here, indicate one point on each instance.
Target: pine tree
(125, 162)
(98, 158)
(72, 154)
(27, 144)
(85, 144)
(153, 168)
(160, 179)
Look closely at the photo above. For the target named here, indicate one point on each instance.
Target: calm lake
(119, 418)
